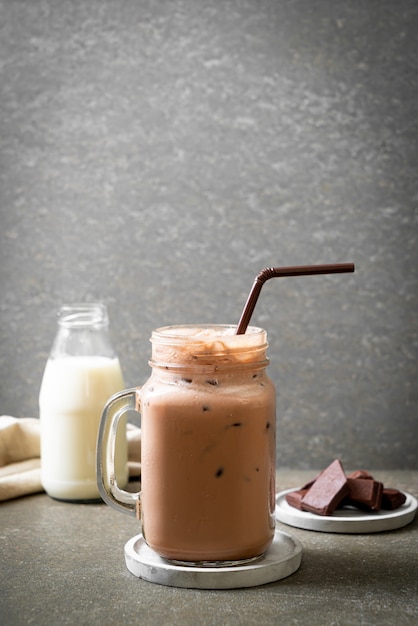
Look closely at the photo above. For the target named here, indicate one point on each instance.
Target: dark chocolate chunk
(328, 490)
(364, 493)
(294, 498)
(360, 474)
(392, 499)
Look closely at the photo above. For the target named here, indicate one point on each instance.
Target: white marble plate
(346, 520)
(281, 560)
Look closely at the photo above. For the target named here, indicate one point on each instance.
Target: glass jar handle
(116, 407)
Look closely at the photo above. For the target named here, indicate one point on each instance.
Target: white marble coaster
(281, 560)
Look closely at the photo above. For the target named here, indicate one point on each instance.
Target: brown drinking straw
(279, 272)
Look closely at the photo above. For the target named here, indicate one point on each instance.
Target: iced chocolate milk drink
(208, 446)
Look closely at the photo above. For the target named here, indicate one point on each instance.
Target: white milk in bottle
(82, 372)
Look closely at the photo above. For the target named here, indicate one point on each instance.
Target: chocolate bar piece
(328, 490)
(294, 498)
(392, 499)
(364, 493)
(360, 474)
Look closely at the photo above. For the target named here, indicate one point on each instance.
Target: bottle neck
(77, 316)
(83, 330)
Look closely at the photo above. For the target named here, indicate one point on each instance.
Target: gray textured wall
(157, 155)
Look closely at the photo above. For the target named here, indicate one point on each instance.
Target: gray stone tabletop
(63, 564)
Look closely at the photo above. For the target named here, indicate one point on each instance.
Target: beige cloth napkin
(20, 472)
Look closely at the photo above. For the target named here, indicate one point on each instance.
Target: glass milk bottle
(81, 373)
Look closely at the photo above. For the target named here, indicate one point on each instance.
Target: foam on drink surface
(202, 345)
